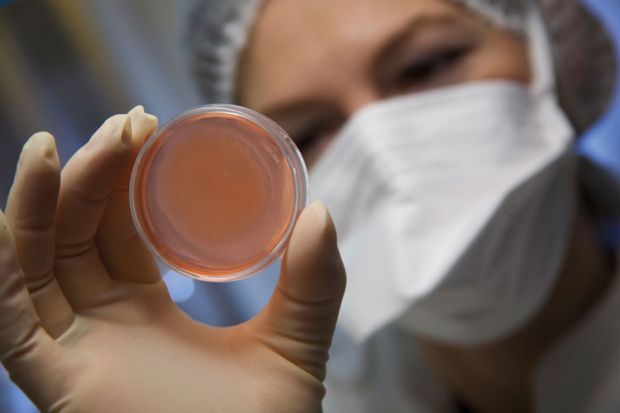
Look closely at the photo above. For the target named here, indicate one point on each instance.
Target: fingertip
(39, 139)
(115, 130)
(152, 120)
(151, 117)
(312, 257)
(317, 220)
(144, 123)
(328, 226)
(41, 146)
(47, 145)
(319, 209)
(138, 109)
(102, 159)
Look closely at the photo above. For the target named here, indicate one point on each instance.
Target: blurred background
(66, 65)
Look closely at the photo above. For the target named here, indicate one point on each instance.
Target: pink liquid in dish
(217, 188)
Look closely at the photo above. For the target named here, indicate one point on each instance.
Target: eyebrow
(386, 51)
(392, 47)
(290, 115)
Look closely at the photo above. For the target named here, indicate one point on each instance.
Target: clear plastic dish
(216, 192)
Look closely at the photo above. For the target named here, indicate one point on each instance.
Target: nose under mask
(453, 209)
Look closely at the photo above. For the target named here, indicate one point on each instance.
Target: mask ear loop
(541, 54)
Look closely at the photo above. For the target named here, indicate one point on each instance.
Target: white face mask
(453, 209)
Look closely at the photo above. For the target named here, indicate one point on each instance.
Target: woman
(476, 273)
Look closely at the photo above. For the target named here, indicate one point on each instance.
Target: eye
(427, 69)
(309, 136)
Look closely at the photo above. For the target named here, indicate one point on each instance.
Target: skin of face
(310, 64)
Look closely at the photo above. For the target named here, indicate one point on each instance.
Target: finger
(25, 348)
(87, 181)
(121, 249)
(30, 212)
(299, 320)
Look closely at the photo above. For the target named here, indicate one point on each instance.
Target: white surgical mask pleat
(437, 198)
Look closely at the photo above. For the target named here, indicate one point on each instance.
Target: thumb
(300, 318)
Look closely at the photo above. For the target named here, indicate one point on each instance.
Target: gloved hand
(86, 324)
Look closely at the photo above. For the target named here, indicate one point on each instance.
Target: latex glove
(86, 324)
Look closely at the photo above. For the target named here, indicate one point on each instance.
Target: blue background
(602, 142)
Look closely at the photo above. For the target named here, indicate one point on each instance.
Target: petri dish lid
(215, 193)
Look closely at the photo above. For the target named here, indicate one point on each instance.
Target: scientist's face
(310, 64)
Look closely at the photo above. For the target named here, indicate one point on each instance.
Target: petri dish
(215, 193)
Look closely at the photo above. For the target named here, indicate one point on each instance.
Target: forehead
(324, 18)
(299, 40)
